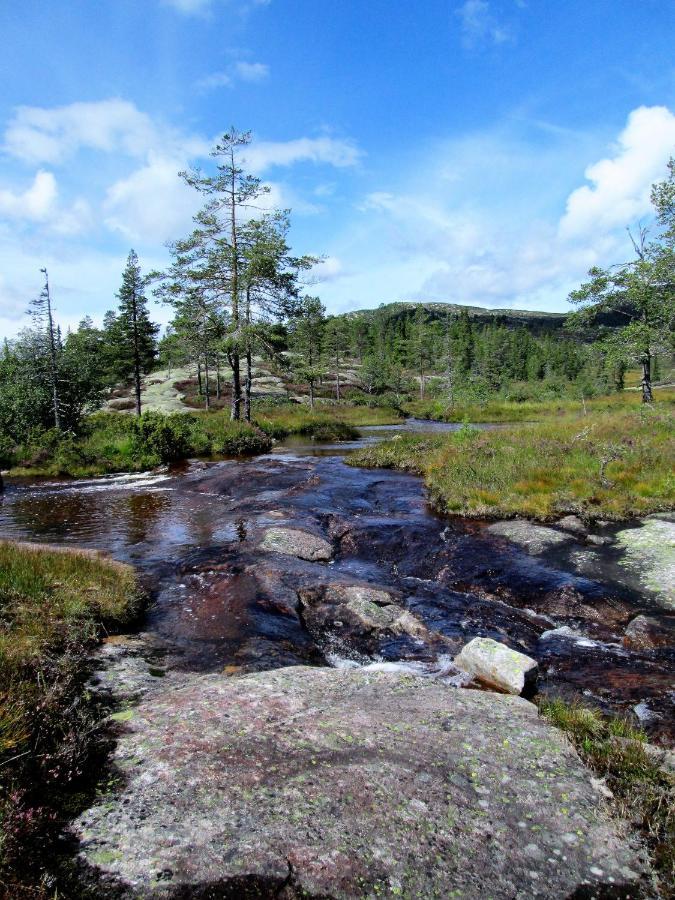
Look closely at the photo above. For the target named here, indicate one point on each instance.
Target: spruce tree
(138, 335)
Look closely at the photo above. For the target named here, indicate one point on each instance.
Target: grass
(54, 605)
(605, 465)
(500, 410)
(116, 442)
(643, 794)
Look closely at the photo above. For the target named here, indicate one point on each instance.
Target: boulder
(649, 555)
(650, 632)
(310, 782)
(296, 542)
(534, 539)
(362, 619)
(573, 524)
(497, 665)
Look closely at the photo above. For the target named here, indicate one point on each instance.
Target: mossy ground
(604, 465)
(643, 793)
(54, 605)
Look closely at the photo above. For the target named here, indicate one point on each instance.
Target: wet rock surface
(650, 632)
(223, 600)
(308, 782)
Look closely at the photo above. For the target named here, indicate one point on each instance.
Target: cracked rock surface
(308, 782)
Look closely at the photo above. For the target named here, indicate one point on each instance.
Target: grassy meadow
(612, 463)
(54, 605)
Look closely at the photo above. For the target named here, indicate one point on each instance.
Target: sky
(483, 152)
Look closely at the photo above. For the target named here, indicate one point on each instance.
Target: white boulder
(496, 665)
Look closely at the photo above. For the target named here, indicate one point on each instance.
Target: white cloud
(478, 227)
(239, 71)
(479, 24)
(252, 71)
(36, 203)
(39, 135)
(204, 7)
(620, 184)
(263, 155)
(152, 203)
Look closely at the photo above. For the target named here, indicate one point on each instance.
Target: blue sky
(475, 151)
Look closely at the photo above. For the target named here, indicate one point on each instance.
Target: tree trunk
(235, 413)
(647, 396)
(137, 355)
(207, 398)
(311, 394)
(52, 356)
(218, 391)
(199, 379)
(247, 386)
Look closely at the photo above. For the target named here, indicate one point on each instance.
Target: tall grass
(327, 421)
(610, 465)
(498, 409)
(54, 605)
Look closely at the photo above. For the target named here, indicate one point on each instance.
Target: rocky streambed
(290, 719)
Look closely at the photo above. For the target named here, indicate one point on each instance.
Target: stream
(220, 602)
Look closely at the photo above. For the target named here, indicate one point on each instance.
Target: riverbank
(112, 442)
(55, 605)
(605, 465)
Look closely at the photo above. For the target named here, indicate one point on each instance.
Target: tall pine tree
(138, 335)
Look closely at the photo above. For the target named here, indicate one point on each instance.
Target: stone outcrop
(296, 542)
(649, 552)
(533, 538)
(497, 665)
(323, 783)
(650, 632)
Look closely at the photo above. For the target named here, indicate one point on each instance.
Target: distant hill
(536, 322)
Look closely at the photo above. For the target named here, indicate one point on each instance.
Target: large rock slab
(649, 553)
(296, 542)
(497, 665)
(305, 782)
(533, 538)
(650, 633)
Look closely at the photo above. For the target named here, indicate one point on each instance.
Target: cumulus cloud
(36, 203)
(41, 135)
(488, 233)
(620, 184)
(152, 203)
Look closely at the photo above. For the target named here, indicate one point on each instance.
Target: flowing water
(220, 602)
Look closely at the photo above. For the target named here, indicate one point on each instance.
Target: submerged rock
(497, 665)
(573, 524)
(313, 783)
(650, 632)
(362, 619)
(533, 538)
(296, 542)
(650, 554)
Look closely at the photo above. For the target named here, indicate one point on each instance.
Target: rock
(650, 554)
(598, 539)
(568, 602)
(573, 524)
(497, 665)
(532, 538)
(295, 542)
(308, 782)
(361, 618)
(650, 632)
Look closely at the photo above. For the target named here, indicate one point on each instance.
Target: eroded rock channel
(291, 721)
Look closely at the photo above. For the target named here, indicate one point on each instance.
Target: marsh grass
(54, 605)
(610, 465)
(643, 793)
(498, 409)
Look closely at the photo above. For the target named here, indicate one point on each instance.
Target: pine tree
(138, 334)
(47, 331)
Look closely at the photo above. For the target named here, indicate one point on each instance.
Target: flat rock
(325, 783)
(532, 538)
(649, 553)
(296, 542)
(650, 632)
(573, 524)
(496, 665)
